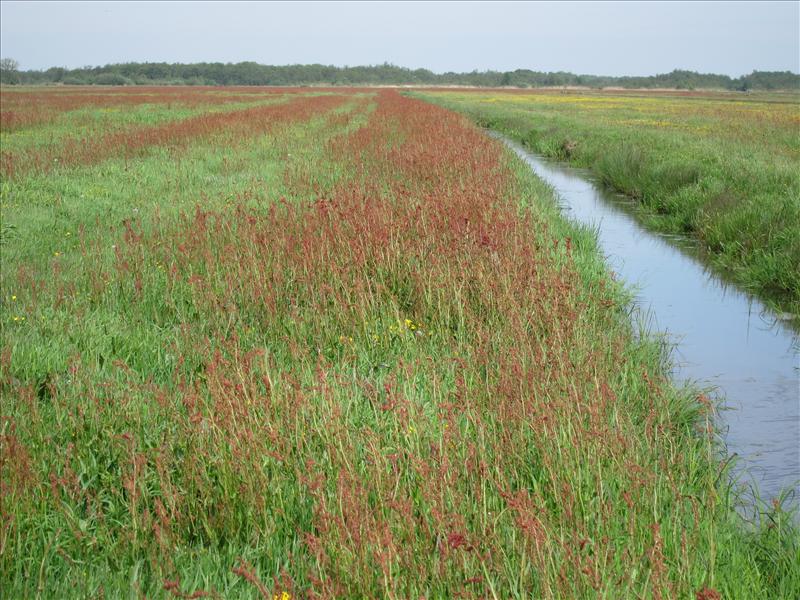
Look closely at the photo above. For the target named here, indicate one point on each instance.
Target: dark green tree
(9, 71)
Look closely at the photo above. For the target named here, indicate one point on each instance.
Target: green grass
(346, 359)
(722, 170)
(91, 121)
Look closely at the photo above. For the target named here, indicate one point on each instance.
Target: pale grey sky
(604, 38)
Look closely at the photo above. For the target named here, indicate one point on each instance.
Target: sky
(599, 38)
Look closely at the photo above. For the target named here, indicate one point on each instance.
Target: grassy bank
(722, 169)
(346, 349)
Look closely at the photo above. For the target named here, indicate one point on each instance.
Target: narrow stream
(723, 337)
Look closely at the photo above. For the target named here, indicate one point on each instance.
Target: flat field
(332, 343)
(723, 168)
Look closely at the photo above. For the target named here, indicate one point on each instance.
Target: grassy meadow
(339, 343)
(722, 168)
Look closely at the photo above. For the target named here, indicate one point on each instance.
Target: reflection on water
(724, 337)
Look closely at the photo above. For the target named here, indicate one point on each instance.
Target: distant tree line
(251, 73)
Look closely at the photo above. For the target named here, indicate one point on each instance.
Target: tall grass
(385, 368)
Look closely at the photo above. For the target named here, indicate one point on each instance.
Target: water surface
(723, 337)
